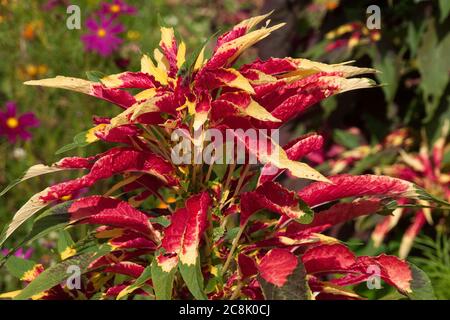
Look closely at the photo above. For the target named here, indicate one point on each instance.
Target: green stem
(233, 248)
(237, 291)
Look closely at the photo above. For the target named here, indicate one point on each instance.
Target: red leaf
(121, 98)
(247, 266)
(328, 259)
(295, 150)
(271, 196)
(183, 235)
(338, 213)
(127, 268)
(132, 240)
(344, 186)
(271, 66)
(411, 233)
(277, 265)
(115, 161)
(336, 258)
(111, 212)
(127, 80)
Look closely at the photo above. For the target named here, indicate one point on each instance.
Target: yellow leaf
(33, 205)
(73, 84)
(112, 81)
(255, 110)
(181, 55)
(246, 41)
(67, 253)
(146, 94)
(147, 66)
(167, 37)
(200, 60)
(10, 295)
(307, 67)
(240, 82)
(251, 22)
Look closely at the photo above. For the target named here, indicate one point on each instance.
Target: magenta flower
(20, 253)
(102, 37)
(13, 125)
(117, 7)
(52, 4)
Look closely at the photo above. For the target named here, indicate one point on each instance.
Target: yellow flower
(331, 5)
(31, 28)
(133, 35)
(31, 70)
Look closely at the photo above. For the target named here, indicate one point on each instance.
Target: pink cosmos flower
(117, 7)
(102, 37)
(13, 125)
(52, 4)
(20, 253)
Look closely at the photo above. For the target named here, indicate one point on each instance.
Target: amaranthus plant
(170, 230)
(426, 169)
(394, 157)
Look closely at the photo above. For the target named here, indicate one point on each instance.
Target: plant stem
(208, 174)
(237, 291)
(225, 187)
(241, 179)
(233, 248)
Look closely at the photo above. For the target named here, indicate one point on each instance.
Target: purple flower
(52, 4)
(13, 125)
(102, 37)
(20, 253)
(117, 7)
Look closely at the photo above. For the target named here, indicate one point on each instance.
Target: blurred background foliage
(410, 50)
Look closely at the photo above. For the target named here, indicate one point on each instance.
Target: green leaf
(308, 215)
(162, 281)
(31, 207)
(432, 60)
(295, 288)
(232, 233)
(34, 171)
(383, 157)
(140, 282)
(424, 195)
(79, 141)
(94, 76)
(390, 67)
(413, 38)
(52, 219)
(55, 218)
(346, 139)
(220, 169)
(161, 220)
(18, 267)
(64, 241)
(444, 7)
(65, 244)
(59, 273)
(329, 105)
(193, 277)
(420, 285)
(218, 233)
